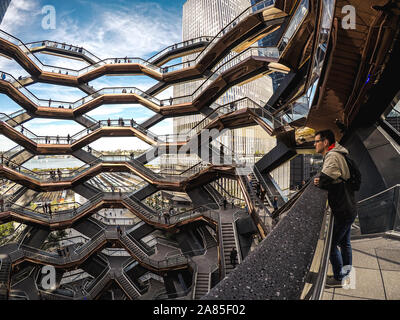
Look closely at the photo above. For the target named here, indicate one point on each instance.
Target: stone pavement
(376, 259)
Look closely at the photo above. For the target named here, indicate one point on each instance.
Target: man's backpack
(354, 182)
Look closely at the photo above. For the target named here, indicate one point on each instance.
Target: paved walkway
(376, 260)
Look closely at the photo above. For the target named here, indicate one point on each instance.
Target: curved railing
(93, 59)
(258, 111)
(179, 45)
(297, 247)
(249, 11)
(299, 106)
(63, 46)
(271, 52)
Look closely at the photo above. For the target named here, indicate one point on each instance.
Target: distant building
(271, 41)
(207, 18)
(3, 8)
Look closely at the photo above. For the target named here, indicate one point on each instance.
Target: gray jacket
(340, 197)
(335, 165)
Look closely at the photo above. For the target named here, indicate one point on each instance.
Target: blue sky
(106, 28)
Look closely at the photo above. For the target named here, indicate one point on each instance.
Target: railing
(116, 220)
(76, 137)
(380, 212)
(51, 175)
(58, 216)
(205, 210)
(13, 151)
(249, 11)
(163, 295)
(295, 22)
(94, 287)
(299, 106)
(13, 235)
(145, 250)
(72, 276)
(269, 194)
(226, 194)
(256, 208)
(174, 174)
(179, 45)
(250, 52)
(271, 52)
(63, 46)
(82, 71)
(314, 287)
(66, 175)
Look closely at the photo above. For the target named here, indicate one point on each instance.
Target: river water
(53, 163)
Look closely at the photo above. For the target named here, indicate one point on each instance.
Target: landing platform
(376, 259)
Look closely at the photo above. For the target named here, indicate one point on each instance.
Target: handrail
(186, 253)
(76, 276)
(48, 43)
(314, 287)
(226, 191)
(14, 234)
(378, 194)
(252, 51)
(227, 28)
(177, 45)
(259, 176)
(95, 282)
(397, 112)
(290, 202)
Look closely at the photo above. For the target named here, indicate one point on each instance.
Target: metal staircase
(202, 284)
(5, 270)
(228, 243)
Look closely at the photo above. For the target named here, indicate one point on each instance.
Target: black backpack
(354, 182)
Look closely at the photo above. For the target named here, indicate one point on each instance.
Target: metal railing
(58, 45)
(315, 280)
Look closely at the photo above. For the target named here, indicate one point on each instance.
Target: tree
(6, 229)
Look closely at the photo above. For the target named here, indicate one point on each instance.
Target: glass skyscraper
(271, 41)
(3, 8)
(207, 18)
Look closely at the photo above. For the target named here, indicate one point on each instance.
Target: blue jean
(341, 238)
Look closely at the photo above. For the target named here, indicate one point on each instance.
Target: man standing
(334, 173)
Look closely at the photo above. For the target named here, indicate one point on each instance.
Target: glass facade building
(207, 18)
(3, 8)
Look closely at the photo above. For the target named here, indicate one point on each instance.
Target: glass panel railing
(249, 11)
(63, 46)
(148, 64)
(15, 83)
(12, 152)
(13, 115)
(298, 17)
(15, 126)
(113, 123)
(264, 52)
(300, 107)
(179, 46)
(271, 52)
(124, 60)
(4, 35)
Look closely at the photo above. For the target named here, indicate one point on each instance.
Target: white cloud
(131, 30)
(19, 13)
